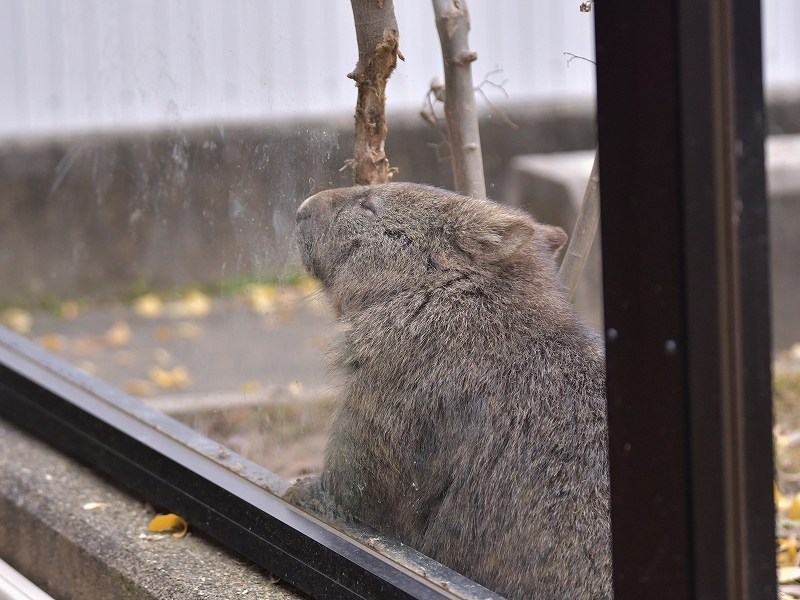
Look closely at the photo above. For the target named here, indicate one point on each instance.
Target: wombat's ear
(497, 238)
(555, 236)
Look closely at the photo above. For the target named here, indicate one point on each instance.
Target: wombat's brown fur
(471, 424)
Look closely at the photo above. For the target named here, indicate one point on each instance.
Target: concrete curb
(75, 535)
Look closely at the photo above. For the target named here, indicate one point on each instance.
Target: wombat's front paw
(303, 491)
(308, 494)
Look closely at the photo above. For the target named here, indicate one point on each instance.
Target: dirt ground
(247, 369)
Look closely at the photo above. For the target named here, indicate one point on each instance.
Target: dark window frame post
(681, 127)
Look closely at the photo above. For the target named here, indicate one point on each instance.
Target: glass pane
(153, 155)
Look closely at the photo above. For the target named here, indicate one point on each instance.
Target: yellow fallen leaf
(94, 505)
(787, 552)
(308, 286)
(17, 320)
(788, 574)
(138, 387)
(194, 305)
(262, 298)
(794, 508)
(148, 306)
(781, 501)
(169, 379)
(118, 335)
(53, 342)
(169, 522)
(69, 310)
(782, 559)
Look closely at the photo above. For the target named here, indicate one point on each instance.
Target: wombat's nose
(304, 212)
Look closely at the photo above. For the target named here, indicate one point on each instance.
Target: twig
(445, 143)
(574, 56)
(497, 109)
(436, 92)
(452, 23)
(499, 86)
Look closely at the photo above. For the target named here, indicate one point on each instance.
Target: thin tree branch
(574, 56)
(583, 233)
(378, 50)
(452, 22)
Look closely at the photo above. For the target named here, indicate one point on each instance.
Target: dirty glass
(152, 156)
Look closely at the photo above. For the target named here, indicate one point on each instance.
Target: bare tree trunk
(378, 49)
(452, 22)
(583, 233)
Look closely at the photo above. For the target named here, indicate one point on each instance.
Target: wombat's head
(379, 239)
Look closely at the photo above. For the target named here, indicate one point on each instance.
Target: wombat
(471, 423)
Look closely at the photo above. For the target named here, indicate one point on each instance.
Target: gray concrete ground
(231, 348)
(247, 370)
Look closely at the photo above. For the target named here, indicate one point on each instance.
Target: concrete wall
(94, 215)
(98, 215)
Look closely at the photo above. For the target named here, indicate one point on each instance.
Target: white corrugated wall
(77, 64)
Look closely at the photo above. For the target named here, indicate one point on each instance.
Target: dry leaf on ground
(262, 299)
(194, 305)
(138, 387)
(69, 310)
(118, 335)
(169, 522)
(148, 306)
(17, 320)
(53, 342)
(169, 379)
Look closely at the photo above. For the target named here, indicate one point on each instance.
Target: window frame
(686, 287)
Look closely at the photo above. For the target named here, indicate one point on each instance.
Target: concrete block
(783, 186)
(551, 188)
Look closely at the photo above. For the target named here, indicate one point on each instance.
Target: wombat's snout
(304, 212)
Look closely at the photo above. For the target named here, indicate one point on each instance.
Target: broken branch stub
(452, 23)
(378, 48)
